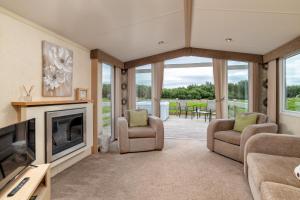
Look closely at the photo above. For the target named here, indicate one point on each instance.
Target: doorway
(188, 92)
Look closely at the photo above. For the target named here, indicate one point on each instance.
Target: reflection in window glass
(143, 87)
(292, 83)
(238, 73)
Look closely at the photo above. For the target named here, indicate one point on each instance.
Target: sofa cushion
(141, 132)
(232, 137)
(277, 191)
(279, 169)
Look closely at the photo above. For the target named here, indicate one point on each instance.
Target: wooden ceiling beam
(283, 50)
(188, 7)
(158, 57)
(227, 55)
(106, 58)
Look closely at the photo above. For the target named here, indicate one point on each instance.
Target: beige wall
(21, 62)
(289, 124)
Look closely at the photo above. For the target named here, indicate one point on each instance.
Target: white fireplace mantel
(38, 112)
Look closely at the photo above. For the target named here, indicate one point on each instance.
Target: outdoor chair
(211, 108)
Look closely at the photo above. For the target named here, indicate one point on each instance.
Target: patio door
(107, 128)
(237, 88)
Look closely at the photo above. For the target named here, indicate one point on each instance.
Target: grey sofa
(269, 165)
(135, 139)
(223, 140)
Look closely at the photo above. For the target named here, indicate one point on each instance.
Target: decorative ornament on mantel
(28, 96)
(57, 70)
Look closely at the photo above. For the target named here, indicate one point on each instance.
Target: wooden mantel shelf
(47, 103)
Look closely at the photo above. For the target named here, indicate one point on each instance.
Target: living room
(96, 96)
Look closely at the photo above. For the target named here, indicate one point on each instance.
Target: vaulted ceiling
(130, 29)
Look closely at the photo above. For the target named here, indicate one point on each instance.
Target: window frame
(282, 92)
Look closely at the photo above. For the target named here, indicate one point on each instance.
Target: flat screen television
(17, 150)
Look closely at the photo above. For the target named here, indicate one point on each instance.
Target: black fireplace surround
(65, 132)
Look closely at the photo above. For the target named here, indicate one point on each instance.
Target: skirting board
(73, 158)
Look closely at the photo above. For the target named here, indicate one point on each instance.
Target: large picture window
(291, 83)
(143, 87)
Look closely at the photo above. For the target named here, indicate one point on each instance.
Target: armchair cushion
(141, 132)
(232, 137)
(242, 121)
(272, 168)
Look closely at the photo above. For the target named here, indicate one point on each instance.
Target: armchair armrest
(157, 124)
(253, 130)
(274, 144)
(122, 129)
(217, 125)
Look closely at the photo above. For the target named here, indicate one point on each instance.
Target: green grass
(190, 104)
(106, 109)
(293, 104)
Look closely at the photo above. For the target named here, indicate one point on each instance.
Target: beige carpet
(184, 170)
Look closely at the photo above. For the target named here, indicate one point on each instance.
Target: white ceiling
(130, 29)
(256, 26)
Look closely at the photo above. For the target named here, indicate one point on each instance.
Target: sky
(293, 70)
(106, 73)
(183, 77)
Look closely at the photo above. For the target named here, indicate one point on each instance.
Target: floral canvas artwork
(57, 70)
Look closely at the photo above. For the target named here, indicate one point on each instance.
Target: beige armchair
(135, 139)
(225, 141)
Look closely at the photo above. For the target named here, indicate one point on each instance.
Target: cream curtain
(220, 79)
(157, 80)
(117, 99)
(254, 87)
(272, 91)
(131, 88)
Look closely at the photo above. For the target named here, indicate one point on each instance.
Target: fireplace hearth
(65, 132)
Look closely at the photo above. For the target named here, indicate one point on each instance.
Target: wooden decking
(185, 128)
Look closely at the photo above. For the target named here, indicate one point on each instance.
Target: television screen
(17, 149)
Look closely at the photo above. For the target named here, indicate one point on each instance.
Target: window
(291, 83)
(238, 76)
(143, 87)
(107, 99)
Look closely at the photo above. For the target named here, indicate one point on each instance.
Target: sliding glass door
(107, 100)
(238, 92)
(143, 79)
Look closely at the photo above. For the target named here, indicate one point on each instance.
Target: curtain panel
(220, 80)
(131, 89)
(157, 85)
(254, 87)
(272, 108)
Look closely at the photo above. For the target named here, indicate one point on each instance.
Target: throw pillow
(138, 118)
(297, 172)
(243, 120)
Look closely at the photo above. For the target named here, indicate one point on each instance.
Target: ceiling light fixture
(228, 40)
(161, 42)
